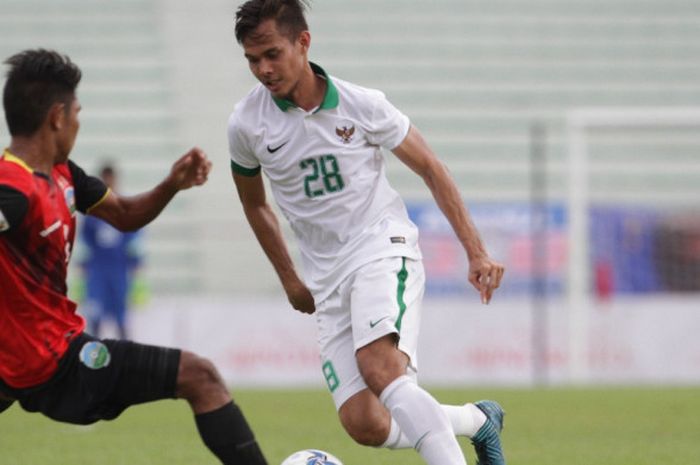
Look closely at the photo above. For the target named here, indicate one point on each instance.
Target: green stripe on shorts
(400, 289)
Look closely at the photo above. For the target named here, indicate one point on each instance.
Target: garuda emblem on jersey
(345, 133)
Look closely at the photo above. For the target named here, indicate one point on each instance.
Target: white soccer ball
(311, 457)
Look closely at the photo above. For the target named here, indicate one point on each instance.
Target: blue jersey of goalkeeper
(112, 257)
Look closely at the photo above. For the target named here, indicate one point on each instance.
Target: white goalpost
(579, 122)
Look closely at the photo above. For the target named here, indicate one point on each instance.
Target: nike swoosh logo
(372, 324)
(273, 150)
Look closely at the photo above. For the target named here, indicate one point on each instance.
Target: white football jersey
(327, 175)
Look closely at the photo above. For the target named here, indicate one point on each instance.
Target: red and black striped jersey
(37, 230)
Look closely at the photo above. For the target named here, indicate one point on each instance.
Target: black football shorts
(97, 379)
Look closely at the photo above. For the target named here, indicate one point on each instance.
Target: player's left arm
(485, 274)
(133, 212)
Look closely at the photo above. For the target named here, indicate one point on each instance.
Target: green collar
(330, 99)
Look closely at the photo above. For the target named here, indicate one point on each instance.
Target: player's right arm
(263, 221)
(129, 213)
(485, 274)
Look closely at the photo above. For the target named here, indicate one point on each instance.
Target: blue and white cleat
(487, 441)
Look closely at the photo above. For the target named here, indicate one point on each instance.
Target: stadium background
(498, 88)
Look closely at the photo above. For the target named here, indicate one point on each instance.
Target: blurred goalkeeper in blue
(112, 259)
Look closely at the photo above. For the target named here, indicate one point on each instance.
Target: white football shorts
(382, 297)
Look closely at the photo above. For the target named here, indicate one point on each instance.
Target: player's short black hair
(36, 80)
(288, 15)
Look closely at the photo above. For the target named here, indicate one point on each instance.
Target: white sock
(465, 420)
(423, 422)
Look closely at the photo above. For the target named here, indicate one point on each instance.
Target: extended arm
(263, 221)
(484, 273)
(133, 212)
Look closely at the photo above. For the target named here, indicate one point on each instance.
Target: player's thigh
(344, 320)
(338, 363)
(386, 298)
(99, 379)
(149, 373)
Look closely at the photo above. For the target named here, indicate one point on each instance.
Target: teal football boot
(487, 441)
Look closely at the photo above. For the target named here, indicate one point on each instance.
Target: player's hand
(485, 275)
(190, 170)
(300, 297)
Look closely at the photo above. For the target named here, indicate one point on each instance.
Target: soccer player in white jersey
(319, 141)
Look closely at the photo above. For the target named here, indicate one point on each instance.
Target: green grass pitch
(620, 426)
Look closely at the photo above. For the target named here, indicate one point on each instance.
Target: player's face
(275, 60)
(68, 131)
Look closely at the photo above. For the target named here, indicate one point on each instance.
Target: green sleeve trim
(243, 171)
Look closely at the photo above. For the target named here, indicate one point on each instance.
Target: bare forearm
(450, 203)
(416, 154)
(484, 274)
(145, 207)
(134, 212)
(131, 213)
(267, 230)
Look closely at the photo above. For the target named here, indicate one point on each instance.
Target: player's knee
(377, 379)
(199, 377)
(366, 430)
(380, 368)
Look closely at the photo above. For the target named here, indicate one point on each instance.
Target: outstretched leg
(220, 421)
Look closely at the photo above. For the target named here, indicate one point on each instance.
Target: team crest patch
(95, 355)
(69, 195)
(345, 133)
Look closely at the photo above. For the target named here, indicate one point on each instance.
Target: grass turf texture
(620, 426)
